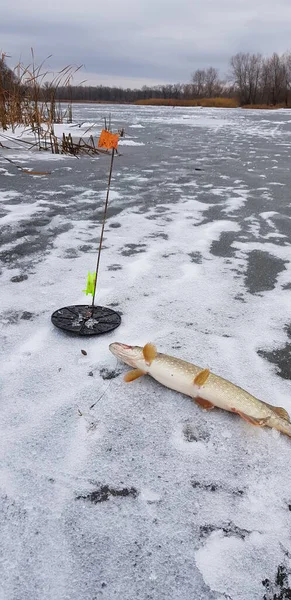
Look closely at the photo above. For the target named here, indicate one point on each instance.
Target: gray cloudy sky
(137, 42)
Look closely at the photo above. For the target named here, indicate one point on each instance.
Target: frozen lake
(146, 496)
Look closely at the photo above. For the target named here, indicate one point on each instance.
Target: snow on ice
(146, 495)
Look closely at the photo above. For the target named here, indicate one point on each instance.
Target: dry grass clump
(204, 102)
(29, 99)
(265, 106)
(220, 102)
(26, 98)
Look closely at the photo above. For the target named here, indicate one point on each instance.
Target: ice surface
(145, 495)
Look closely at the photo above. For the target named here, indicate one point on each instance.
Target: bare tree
(8, 77)
(213, 85)
(187, 91)
(199, 81)
(275, 78)
(246, 73)
(287, 72)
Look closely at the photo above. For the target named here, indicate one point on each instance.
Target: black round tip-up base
(86, 320)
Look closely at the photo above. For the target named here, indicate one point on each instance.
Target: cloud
(143, 40)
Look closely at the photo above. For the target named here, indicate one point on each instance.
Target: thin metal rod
(103, 225)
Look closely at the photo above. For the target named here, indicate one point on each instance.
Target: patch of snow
(126, 142)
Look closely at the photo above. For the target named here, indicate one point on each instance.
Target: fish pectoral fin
(203, 403)
(280, 411)
(251, 420)
(132, 375)
(202, 377)
(149, 353)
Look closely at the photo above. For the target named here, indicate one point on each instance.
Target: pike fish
(205, 388)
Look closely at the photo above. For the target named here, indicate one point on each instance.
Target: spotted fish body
(207, 389)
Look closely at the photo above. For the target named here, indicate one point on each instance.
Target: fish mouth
(117, 348)
(127, 354)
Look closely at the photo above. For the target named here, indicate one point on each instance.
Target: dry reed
(29, 100)
(203, 102)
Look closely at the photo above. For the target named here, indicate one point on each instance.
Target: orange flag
(108, 140)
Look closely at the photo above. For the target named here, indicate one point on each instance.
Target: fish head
(131, 355)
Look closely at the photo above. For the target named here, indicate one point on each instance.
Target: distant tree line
(252, 79)
(205, 83)
(212, 87)
(262, 80)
